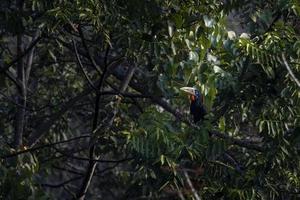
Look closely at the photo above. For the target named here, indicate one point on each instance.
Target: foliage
(78, 113)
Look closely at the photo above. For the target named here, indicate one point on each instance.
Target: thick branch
(21, 91)
(159, 101)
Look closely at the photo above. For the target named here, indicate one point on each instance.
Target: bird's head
(197, 107)
(194, 94)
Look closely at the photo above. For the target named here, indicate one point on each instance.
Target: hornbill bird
(197, 108)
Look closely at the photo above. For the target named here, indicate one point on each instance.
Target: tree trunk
(21, 90)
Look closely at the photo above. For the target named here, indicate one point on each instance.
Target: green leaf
(209, 22)
(222, 124)
(193, 56)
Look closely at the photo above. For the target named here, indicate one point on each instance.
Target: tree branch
(159, 101)
(42, 147)
(188, 180)
(21, 91)
(128, 78)
(61, 184)
(19, 57)
(94, 64)
(240, 142)
(81, 66)
(290, 70)
(92, 164)
(44, 127)
(30, 58)
(12, 77)
(96, 160)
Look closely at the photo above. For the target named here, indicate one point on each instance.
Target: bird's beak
(188, 90)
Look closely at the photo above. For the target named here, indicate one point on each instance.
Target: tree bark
(21, 90)
(92, 164)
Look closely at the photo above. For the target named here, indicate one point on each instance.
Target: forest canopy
(91, 105)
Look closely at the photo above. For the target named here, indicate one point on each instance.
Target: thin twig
(92, 164)
(13, 102)
(33, 44)
(61, 184)
(44, 127)
(180, 194)
(290, 70)
(188, 180)
(67, 170)
(128, 78)
(94, 64)
(30, 58)
(81, 66)
(43, 146)
(99, 160)
(12, 77)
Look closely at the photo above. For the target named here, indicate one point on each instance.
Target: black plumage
(197, 108)
(198, 111)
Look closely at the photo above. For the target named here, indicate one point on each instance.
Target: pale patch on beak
(189, 90)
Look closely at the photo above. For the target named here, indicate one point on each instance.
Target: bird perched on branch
(197, 108)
